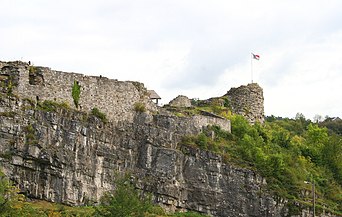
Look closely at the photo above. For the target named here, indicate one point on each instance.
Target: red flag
(256, 56)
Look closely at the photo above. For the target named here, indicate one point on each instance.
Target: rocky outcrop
(71, 157)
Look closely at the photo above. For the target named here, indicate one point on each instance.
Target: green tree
(7, 193)
(76, 93)
(125, 201)
(316, 138)
(10, 199)
(332, 156)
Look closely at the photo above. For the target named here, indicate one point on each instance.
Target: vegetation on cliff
(125, 201)
(287, 152)
(76, 93)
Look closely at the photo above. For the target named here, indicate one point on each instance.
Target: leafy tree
(316, 138)
(125, 201)
(332, 157)
(334, 125)
(7, 193)
(76, 93)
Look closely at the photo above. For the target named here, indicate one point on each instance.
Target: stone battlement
(115, 98)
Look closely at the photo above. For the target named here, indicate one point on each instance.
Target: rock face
(248, 101)
(69, 156)
(64, 156)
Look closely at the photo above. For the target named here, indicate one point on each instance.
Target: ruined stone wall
(248, 101)
(114, 98)
(180, 101)
(202, 120)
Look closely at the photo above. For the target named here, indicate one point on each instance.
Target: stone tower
(248, 100)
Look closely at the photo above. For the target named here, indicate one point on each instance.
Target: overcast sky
(197, 48)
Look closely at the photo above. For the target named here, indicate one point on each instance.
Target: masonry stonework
(248, 101)
(115, 98)
(180, 101)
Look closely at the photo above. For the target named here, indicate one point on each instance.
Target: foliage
(97, 113)
(128, 201)
(32, 69)
(218, 106)
(139, 107)
(52, 106)
(334, 125)
(125, 201)
(31, 137)
(9, 88)
(285, 151)
(9, 196)
(188, 214)
(76, 93)
(13, 204)
(10, 114)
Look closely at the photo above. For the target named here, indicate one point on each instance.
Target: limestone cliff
(64, 156)
(70, 156)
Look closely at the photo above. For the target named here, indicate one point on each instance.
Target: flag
(256, 56)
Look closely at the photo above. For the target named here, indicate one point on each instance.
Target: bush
(48, 105)
(8, 196)
(188, 214)
(125, 201)
(96, 112)
(139, 107)
(76, 92)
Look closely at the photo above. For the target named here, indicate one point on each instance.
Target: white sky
(197, 48)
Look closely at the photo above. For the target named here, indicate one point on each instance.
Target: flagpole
(252, 67)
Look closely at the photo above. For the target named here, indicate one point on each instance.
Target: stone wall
(114, 98)
(201, 120)
(248, 101)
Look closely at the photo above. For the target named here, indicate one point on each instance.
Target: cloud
(195, 48)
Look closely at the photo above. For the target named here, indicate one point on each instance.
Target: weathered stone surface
(71, 157)
(68, 159)
(248, 101)
(113, 97)
(180, 101)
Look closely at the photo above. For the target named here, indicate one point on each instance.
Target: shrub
(10, 114)
(31, 137)
(8, 195)
(97, 113)
(125, 201)
(48, 106)
(51, 106)
(139, 107)
(32, 69)
(188, 214)
(9, 88)
(76, 92)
